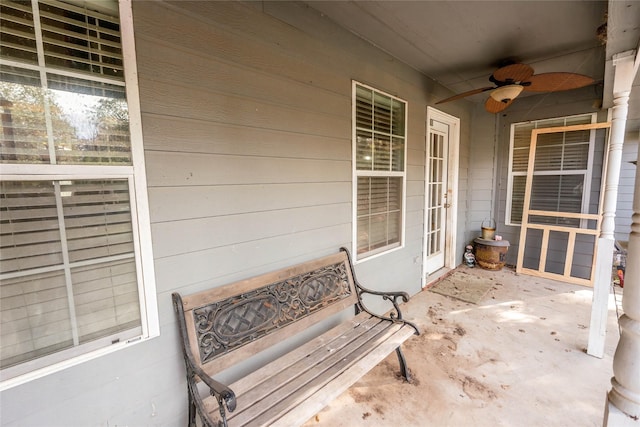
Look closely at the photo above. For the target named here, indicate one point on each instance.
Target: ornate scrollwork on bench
(233, 322)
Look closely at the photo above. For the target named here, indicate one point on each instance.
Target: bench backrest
(233, 322)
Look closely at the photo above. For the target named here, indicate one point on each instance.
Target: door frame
(453, 164)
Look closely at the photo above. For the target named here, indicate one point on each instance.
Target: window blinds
(379, 212)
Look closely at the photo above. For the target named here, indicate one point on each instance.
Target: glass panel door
(436, 194)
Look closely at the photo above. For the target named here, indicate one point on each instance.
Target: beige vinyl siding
(269, 122)
(481, 174)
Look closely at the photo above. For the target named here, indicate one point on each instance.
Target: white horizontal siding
(221, 200)
(178, 134)
(193, 235)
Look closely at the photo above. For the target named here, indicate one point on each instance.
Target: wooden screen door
(556, 224)
(436, 193)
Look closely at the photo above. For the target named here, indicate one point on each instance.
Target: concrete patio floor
(516, 358)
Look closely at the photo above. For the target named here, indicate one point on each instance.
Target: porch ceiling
(460, 43)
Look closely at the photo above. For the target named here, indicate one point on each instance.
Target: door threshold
(437, 276)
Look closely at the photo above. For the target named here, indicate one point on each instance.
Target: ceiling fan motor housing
(506, 93)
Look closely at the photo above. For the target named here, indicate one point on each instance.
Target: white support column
(623, 403)
(623, 79)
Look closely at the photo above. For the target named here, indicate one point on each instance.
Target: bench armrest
(395, 315)
(224, 395)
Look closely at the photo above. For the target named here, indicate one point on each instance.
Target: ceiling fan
(512, 79)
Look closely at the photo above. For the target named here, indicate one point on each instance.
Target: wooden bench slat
(331, 390)
(300, 353)
(292, 376)
(327, 389)
(253, 380)
(301, 360)
(324, 369)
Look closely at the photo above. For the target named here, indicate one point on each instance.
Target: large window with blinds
(562, 174)
(73, 236)
(379, 158)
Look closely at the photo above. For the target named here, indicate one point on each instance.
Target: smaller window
(379, 159)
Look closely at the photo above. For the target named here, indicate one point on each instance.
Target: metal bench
(225, 325)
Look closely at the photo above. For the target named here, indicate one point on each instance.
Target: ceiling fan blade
(513, 73)
(555, 82)
(465, 94)
(493, 106)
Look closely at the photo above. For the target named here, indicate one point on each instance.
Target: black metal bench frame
(225, 325)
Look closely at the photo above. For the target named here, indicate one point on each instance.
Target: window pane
(363, 234)
(35, 317)
(82, 40)
(91, 122)
(106, 299)
(397, 117)
(364, 108)
(97, 217)
(29, 227)
(18, 39)
(364, 150)
(517, 198)
(37, 320)
(24, 127)
(379, 212)
(520, 159)
(397, 155)
(381, 113)
(548, 158)
(522, 135)
(575, 157)
(562, 151)
(382, 153)
(577, 120)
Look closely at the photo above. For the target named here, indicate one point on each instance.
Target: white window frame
(135, 173)
(366, 173)
(587, 174)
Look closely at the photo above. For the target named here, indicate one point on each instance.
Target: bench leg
(192, 412)
(403, 365)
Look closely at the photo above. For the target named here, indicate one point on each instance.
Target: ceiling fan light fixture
(506, 93)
